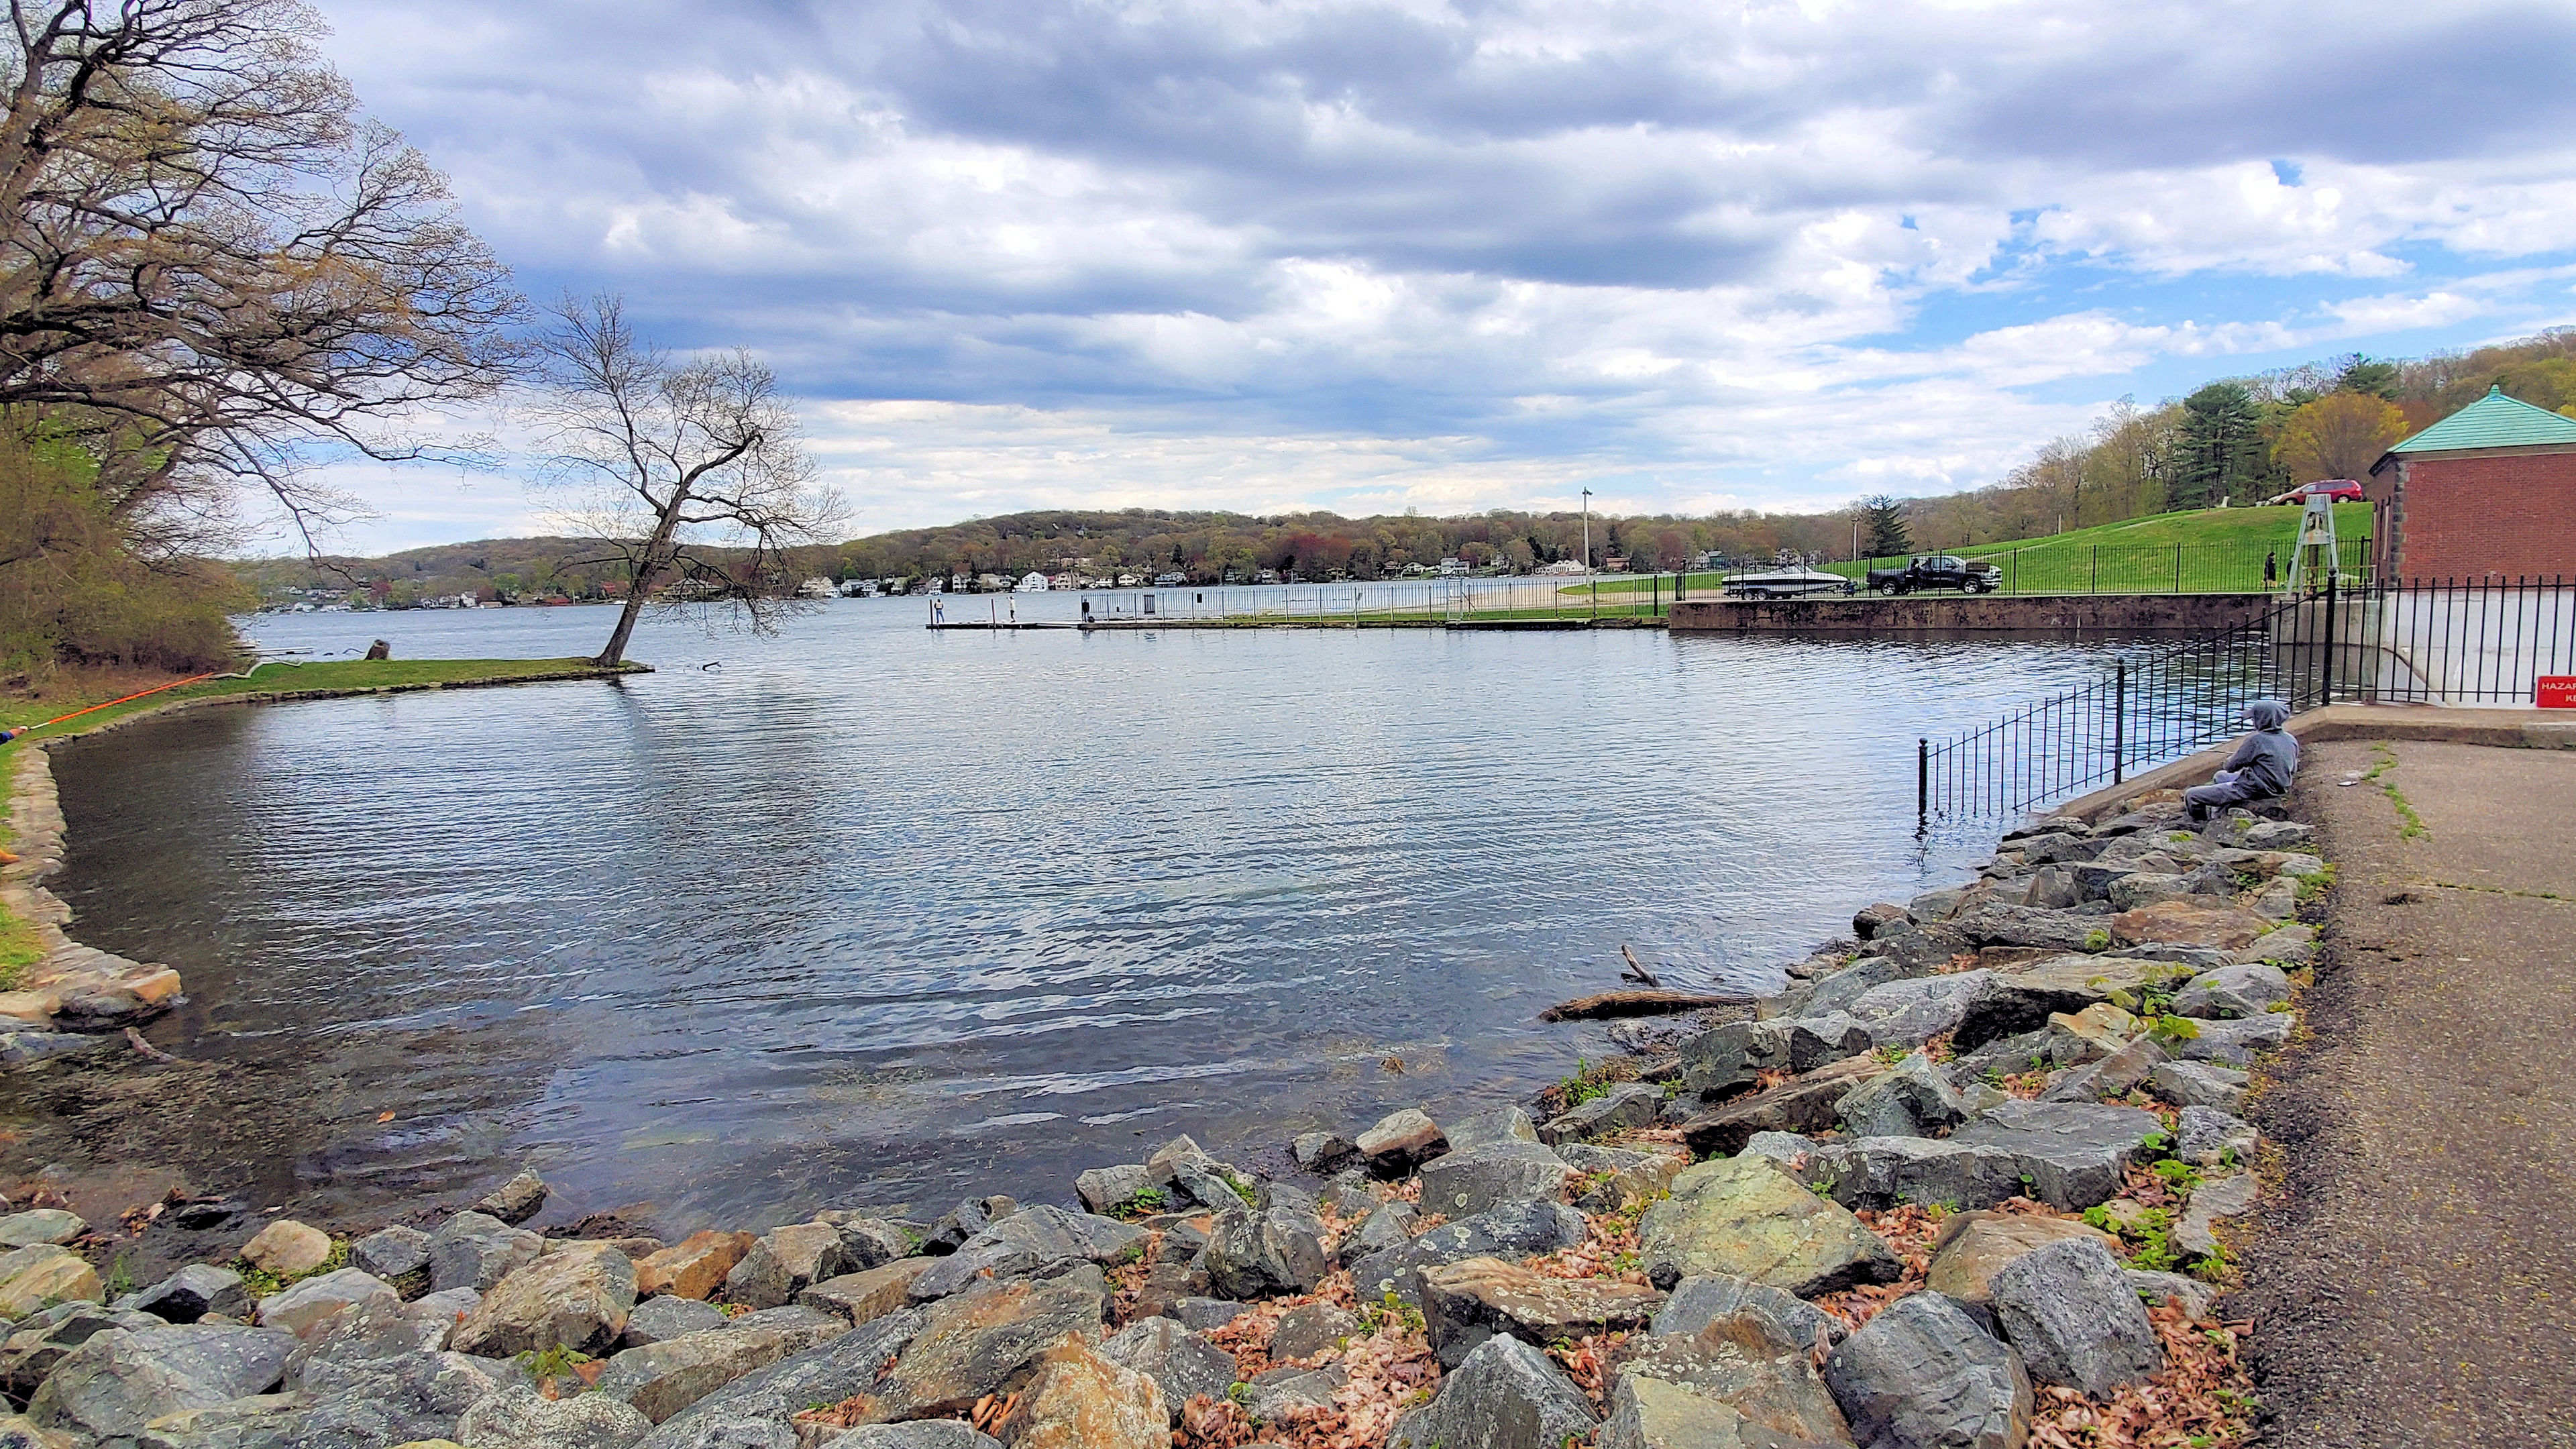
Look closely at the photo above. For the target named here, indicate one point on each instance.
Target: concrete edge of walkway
(2526, 729)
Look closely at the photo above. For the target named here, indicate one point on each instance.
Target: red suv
(2341, 490)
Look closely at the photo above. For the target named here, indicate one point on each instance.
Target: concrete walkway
(2416, 1283)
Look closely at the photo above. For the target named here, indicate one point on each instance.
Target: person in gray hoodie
(2259, 770)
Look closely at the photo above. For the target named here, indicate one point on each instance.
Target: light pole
(1595, 589)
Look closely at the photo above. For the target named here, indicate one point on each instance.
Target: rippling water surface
(869, 914)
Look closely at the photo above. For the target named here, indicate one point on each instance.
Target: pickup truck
(1937, 571)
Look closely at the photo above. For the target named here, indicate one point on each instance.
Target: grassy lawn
(2222, 550)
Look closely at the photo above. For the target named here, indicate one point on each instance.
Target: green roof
(2493, 421)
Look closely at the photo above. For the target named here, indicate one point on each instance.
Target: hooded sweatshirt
(2268, 757)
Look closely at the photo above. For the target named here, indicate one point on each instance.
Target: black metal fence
(2108, 568)
(2424, 641)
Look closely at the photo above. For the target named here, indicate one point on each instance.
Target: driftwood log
(1637, 1003)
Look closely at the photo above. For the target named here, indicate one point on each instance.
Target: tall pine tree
(1882, 527)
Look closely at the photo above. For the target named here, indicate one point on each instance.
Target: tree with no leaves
(212, 267)
(691, 474)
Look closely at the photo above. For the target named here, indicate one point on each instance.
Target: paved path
(2417, 1284)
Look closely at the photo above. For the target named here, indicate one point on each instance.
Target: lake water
(867, 914)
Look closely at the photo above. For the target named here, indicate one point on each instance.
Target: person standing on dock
(938, 615)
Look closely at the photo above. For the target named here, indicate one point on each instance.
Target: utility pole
(1587, 550)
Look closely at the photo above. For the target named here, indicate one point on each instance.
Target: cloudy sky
(1399, 253)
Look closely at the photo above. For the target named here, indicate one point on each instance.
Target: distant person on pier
(2259, 770)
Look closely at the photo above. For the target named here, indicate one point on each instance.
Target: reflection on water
(872, 914)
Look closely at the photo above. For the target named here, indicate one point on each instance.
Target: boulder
(1992, 923)
(2192, 921)
(1107, 1190)
(2077, 1038)
(1973, 1246)
(515, 1201)
(1925, 949)
(345, 1349)
(515, 1418)
(1321, 1152)
(752, 1410)
(1801, 1104)
(868, 1242)
(2213, 1202)
(1626, 1106)
(1205, 1315)
(1868, 920)
(117, 1382)
(2070, 1154)
(43, 1225)
(577, 1298)
(391, 1253)
(1921, 1372)
(2236, 1043)
(922, 1434)
(1483, 1129)
(694, 1267)
(987, 1340)
(309, 1304)
(256, 1422)
(1388, 1225)
(785, 1263)
(2198, 1084)
(2139, 889)
(1033, 1242)
(1880, 1172)
(659, 1320)
(1773, 1393)
(1310, 1329)
(1732, 1056)
(1912, 1100)
(1732, 1305)
(2288, 945)
(473, 1250)
(2022, 998)
(2113, 1076)
(1255, 1254)
(2069, 1309)
(661, 1379)
(40, 1341)
(446, 1308)
(864, 1297)
(1745, 1218)
(1504, 1395)
(1184, 1364)
(1464, 1183)
(2232, 991)
(964, 1221)
(1838, 991)
(287, 1249)
(2198, 1299)
(1909, 1013)
(1402, 1141)
(1649, 1413)
(1080, 1398)
(402, 1397)
(1610, 1176)
(800, 1326)
(195, 1291)
(1467, 1302)
(1275, 1393)
(2208, 1137)
(1516, 1230)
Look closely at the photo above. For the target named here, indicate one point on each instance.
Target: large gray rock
(1484, 1129)
(661, 1379)
(2069, 1309)
(659, 1320)
(40, 1341)
(1801, 1104)
(2199, 1084)
(1613, 1175)
(1909, 1013)
(1513, 1231)
(1321, 1152)
(1309, 1329)
(1712, 1299)
(2235, 1043)
(1626, 1106)
(2022, 998)
(1925, 949)
(986, 1340)
(1464, 1183)
(1879, 1172)
(1913, 1100)
(2072, 1154)
(477, 1251)
(514, 1418)
(1922, 1373)
(195, 1291)
(1746, 1218)
(1401, 1141)
(1466, 1303)
(576, 1298)
(120, 1380)
(2213, 1202)
(2147, 888)
(262, 1421)
(921, 1434)
(738, 1415)
(1992, 923)
(2233, 991)
(1388, 1225)
(1736, 1389)
(391, 1253)
(1034, 1242)
(517, 1200)
(1838, 991)
(1255, 1254)
(1734, 1055)
(314, 1301)
(1105, 1190)
(2113, 1076)
(786, 1262)
(1506, 1395)
(1185, 1364)
(2210, 1138)
(368, 1402)
(868, 1242)
(40, 1225)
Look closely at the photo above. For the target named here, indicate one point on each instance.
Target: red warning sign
(2555, 691)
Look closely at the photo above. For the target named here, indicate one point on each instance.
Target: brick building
(2488, 491)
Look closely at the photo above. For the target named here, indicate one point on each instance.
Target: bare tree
(691, 473)
(214, 267)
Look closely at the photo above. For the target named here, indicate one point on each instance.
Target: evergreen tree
(2221, 449)
(1882, 527)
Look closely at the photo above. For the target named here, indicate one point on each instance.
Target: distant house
(1451, 567)
(1172, 580)
(2488, 491)
(1564, 566)
(1033, 582)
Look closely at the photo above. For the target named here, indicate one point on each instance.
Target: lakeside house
(2488, 492)
(1173, 580)
(1032, 582)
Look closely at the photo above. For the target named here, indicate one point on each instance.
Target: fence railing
(2424, 641)
(2174, 568)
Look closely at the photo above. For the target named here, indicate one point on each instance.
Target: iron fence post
(2119, 718)
(2325, 693)
(1922, 779)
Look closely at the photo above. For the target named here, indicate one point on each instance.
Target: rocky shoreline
(76, 999)
(1964, 1183)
